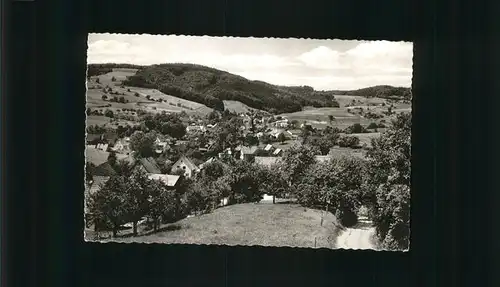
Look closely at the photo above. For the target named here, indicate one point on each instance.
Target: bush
(348, 141)
(372, 126)
(113, 79)
(355, 129)
(109, 114)
(104, 97)
(135, 94)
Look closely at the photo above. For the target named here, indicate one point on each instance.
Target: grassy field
(97, 120)
(319, 117)
(264, 224)
(237, 107)
(344, 100)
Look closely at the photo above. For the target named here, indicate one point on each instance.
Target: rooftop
(168, 179)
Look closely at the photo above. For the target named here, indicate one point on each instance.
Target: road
(357, 237)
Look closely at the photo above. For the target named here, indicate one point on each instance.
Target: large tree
(335, 185)
(143, 143)
(161, 202)
(388, 183)
(272, 181)
(109, 204)
(166, 124)
(297, 159)
(138, 195)
(228, 134)
(243, 180)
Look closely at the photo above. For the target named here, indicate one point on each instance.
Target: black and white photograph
(248, 141)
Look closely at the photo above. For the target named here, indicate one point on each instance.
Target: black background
(454, 191)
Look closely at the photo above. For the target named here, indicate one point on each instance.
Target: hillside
(211, 87)
(262, 224)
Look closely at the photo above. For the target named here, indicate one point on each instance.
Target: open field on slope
(139, 100)
(237, 107)
(344, 100)
(319, 117)
(263, 224)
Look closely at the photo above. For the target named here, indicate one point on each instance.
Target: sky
(322, 64)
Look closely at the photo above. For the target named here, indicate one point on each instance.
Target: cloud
(322, 65)
(112, 51)
(384, 56)
(321, 58)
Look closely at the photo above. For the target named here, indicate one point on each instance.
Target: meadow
(248, 224)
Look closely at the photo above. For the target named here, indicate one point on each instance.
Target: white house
(169, 179)
(183, 163)
(277, 152)
(269, 148)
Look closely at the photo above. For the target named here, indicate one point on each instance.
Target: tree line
(383, 91)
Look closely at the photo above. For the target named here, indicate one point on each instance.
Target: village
(180, 153)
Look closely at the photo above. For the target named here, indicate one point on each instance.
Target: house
(210, 126)
(110, 137)
(306, 125)
(269, 148)
(95, 185)
(99, 161)
(93, 139)
(169, 179)
(101, 146)
(266, 161)
(277, 152)
(187, 165)
(148, 165)
(247, 153)
(281, 123)
(121, 146)
(210, 160)
(276, 134)
(322, 158)
(291, 134)
(294, 133)
(97, 182)
(195, 128)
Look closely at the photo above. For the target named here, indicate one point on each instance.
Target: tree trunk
(115, 231)
(135, 228)
(274, 199)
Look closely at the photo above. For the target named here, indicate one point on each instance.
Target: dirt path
(357, 237)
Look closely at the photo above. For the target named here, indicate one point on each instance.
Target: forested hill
(384, 91)
(211, 87)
